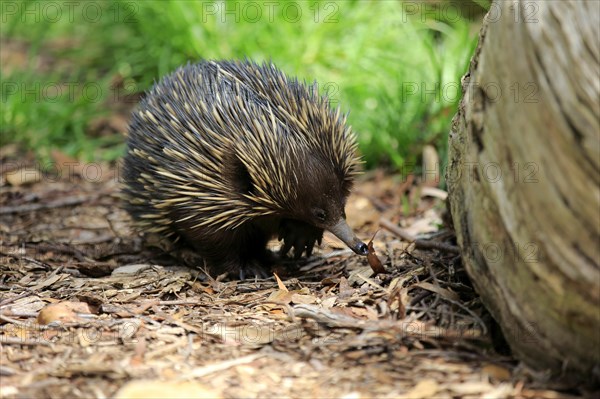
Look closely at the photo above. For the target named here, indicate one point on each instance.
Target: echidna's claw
(253, 270)
(300, 236)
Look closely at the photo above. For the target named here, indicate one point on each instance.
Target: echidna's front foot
(257, 264)
(253, 270)
(299, 235)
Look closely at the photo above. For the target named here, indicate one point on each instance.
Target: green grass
(397, 75)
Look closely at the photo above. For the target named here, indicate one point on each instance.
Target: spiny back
(220, 143)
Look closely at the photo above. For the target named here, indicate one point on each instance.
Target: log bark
(524, 180)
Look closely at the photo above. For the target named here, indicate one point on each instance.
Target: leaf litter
(90, 309)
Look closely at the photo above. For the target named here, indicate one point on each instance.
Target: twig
(190, 346)
(58, 203)
(419, 243)
(179, 302)
(419, 298)
(469, 311)
(19, 341)
(22, 324)
(214, 368)
(59, 247)
(14, 298)
(94, 241)
(371, 282)
(326, 317)
(166, 349)
(20, 257)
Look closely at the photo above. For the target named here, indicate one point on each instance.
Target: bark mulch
(88, 308)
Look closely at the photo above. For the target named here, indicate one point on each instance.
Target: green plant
(394, 71)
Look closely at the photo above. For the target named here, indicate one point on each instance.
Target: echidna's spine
(223, 150)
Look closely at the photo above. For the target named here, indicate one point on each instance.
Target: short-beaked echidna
(229, 154)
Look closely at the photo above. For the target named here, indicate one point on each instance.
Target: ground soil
(89, 308)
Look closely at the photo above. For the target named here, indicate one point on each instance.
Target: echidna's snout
(362, 249)
(342, 231)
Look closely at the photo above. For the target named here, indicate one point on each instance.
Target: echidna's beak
(342, 231)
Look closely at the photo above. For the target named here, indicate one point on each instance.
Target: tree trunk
(524, 180)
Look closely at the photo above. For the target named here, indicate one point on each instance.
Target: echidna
(229, 154)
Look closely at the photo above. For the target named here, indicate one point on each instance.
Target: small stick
(419, 243)
(22, 324)
(58, 203)
(219, 367)
(14, 298)
(19, 341)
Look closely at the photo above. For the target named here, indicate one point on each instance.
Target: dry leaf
(345, 290)
(472, 388)
(63, 312)
(138, 356)
(364, 313)
(428, 223)
(166, 389)
(21, 332)
(291, 333)
(329, 281)
(30, 304)
(329, 302)
(131, 269)
(501, 391)
(8, 391)
(424, 389)
(306, 299)
(280, 284)
(357, 276)
(438, 290)
(496, 372)
(247, 334)
(23, 177)
(280, 296)
(83, 338)
(373, 260)
(398, 296)
(49, 281)
(128, 328)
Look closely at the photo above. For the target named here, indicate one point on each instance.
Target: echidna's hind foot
(299, 235)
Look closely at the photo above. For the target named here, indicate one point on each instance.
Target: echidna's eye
(320, 214)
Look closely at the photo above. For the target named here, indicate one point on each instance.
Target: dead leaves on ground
(139, 323)
(337, 328)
